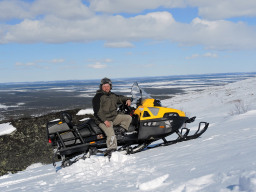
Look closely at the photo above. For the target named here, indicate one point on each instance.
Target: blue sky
(46, 40)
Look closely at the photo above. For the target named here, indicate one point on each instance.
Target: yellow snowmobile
(151, 122)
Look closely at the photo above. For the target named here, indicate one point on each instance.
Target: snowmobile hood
(148, 111)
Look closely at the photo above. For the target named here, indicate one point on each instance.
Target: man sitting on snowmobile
(105, 112)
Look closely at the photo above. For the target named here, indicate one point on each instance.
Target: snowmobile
(150, 122)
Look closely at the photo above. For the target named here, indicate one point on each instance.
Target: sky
(48, 40)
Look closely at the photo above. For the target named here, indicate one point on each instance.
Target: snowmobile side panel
(150, 129)
(157, 128)
(74, 149)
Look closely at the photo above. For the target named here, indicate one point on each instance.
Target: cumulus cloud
(16, 9)
(110, 28)
(122, 44)
(67, 9)
(54, 21)
(75, 9)
(132, 6)
(220, 34)
(219, 9)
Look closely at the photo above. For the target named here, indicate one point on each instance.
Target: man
(105, 105)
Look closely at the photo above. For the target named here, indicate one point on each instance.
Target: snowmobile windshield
(138, 94)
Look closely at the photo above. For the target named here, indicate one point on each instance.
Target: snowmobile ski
(181, 138)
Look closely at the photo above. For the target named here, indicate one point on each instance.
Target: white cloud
(132, 6)
(107, 60)
(57, 60)
(193, 56)
(208, 54)
(14, 9)
(219, 9)
(97, 65)
(109, 28)
(213, 55)
(67, 9)
(75, 9)
(218, 35)
(38, 62)
(25, 64)
(122, 44)
(54, 21)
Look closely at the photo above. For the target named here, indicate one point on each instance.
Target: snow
(223, 159)
(3, 106)
(153, 184)
(10, 106)
(85, 111)
(6, 128)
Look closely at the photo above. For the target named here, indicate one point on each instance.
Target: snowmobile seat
(60, 130)
(85, 130)
(57, 126)
(94, 127)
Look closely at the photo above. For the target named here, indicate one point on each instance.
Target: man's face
(106, 88)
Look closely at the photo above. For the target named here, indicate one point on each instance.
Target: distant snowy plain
(223, 159)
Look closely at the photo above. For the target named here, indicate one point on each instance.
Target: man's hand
(107, 123)
(128, 102)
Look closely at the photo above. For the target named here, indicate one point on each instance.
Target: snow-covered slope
(223, 159)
